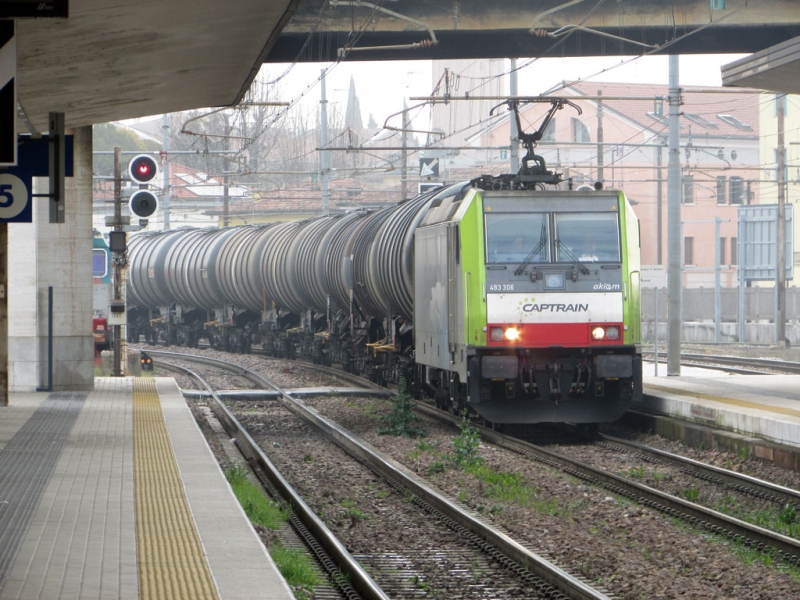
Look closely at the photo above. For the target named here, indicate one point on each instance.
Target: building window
(579, 132)
(688, 250)
(734, 251)
(688, 189)
(736, 190)
(734, 122)
(549, 134)
(722, 251)
(700, 120)
(721, 197)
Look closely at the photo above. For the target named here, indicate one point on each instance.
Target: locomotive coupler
(555, 385)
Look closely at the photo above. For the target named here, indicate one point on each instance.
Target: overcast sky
(382, 86)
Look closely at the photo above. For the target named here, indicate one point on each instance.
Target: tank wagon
(499, 295)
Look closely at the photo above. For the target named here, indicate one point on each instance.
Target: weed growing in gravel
(436, 467)
(466, 445)
(400, 422)
(743, 453)
(353, 511)
(258, 508)
(298, 570)
(691, 494)
(421, 448)
(726, 505)
(425, 587)
(636, 472)
(510, 487)
(658, 478)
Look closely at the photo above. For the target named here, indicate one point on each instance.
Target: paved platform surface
(765, 406)
(67, 499)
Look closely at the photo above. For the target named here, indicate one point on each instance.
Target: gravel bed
(629, 550)
(748, 465)
(671, 480)
(407, 552)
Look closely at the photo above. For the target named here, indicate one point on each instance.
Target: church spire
(352, 117)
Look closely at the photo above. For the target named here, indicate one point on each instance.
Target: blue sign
(15, 182)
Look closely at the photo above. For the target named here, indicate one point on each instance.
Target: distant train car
(501, 295)
(101, 291)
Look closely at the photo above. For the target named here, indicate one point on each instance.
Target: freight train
(499, 295)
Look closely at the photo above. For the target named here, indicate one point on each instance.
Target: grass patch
(257, 506)
(691, 494)
(512, 488)
(298, 570)
(636, 472)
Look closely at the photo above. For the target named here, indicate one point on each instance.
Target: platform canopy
(132, 58)
(775, 69)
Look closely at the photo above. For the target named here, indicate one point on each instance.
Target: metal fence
(698, 304)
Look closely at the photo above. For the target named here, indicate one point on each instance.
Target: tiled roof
(706, 112)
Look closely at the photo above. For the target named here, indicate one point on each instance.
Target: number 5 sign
(15, 205)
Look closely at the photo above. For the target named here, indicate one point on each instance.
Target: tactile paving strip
(172, 563)
(26, 464)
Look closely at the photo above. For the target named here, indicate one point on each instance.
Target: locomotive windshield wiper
(538, 248)
(571, 256)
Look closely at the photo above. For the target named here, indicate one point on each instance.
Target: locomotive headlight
(496, 334)
(598, 333)
(612, 333)
(512, 334)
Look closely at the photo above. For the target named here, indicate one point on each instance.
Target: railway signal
(142, 169)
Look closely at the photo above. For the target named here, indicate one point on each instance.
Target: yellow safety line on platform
(724, 400)
(169, 553)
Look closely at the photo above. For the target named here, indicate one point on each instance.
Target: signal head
(143, 204)
(142, 168)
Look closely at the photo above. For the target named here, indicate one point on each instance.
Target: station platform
(766, 407)
(114, 493)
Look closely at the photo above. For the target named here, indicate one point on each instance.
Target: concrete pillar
(60, 255)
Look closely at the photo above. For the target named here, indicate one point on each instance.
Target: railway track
(780, 546)
(733, 364)
(513, 565)
(776, 494)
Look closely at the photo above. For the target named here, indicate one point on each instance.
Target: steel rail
(549, 573)
(710, 520)
(738, 364)
(738, 481)
(242, 371)
(358, 577)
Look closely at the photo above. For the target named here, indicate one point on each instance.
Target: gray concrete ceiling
(775, 69)
(118, 59)
(322, 30)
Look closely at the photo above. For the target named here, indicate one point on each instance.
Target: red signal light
(142, 168)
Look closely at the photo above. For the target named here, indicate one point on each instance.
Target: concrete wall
(58, 255)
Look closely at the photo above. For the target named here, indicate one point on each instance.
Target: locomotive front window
(587, 237)
(517, 238)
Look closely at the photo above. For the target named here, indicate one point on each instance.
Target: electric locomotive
(527, 304)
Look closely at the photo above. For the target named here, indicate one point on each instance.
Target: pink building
(621, 140)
